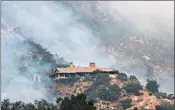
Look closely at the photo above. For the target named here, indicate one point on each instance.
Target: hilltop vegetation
(122, 90)
(119, 92)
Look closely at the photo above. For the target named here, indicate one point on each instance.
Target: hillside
(110, 93)
(41, 38)
(102, 92)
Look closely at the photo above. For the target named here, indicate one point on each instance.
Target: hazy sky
(55, 27)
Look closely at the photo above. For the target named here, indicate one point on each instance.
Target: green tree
(133, 78)
(114, 91)
(5, 105)
(160, 95)
(122, 77)
(152, 86)
(74, 103)
(77, 103)
(132, 87)
(126, 103)
(171, 96)
(109, 93)
(101, 79)
(69, 81)
(165, 106)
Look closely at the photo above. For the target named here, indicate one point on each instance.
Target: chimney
(92, 65)
(71, 65)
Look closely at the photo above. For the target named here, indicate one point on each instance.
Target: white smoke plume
(59, 28)
(54, 27)
(151, 19)
(114, 21)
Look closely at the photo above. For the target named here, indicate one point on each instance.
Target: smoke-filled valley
(54, 34)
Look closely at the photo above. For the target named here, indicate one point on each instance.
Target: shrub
(101, 79)
(114, 92)
(165, 106)
(74, 103)
(160, 95)
(68, 81)
(132, 87)
(111, 93)
(126, 103)
(103, 94)
(93, 92)
(77, 103)
(133, 78)
(88, 78)
(18, 105)
(171, 96)
(122, 77)
(152, 86)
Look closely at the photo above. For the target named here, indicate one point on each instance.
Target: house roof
(105, 69)
(81, 69)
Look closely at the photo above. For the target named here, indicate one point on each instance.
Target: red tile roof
(81, 69)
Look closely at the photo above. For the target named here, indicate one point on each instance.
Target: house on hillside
(72, 70)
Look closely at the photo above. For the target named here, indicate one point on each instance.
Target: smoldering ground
(61, 29)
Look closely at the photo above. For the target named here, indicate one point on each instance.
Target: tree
(152, 86)
(103, 94)
(77, 103)
(165, 106)
(47, 57)
(160, 95)
(132, 87)
(29, 106)
(126, 103)
(69, 81)
(122, 77)
(74, 103)
(110, 93)
(38, 50)
(171, 96)
(5, 105)
(114, 91)
(89, 78)
(133, 78)
(102, 89)
(18, 105)
(101, 79)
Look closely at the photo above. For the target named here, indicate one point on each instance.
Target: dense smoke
(18, 84)
(54, 27)
(75, 34)
(113, 22)
(148, 20)
(151, 19)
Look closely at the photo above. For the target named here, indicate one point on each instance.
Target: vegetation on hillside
(100, 89)
(39, 51)
(132, 87)
(152, 86)
(165, 106)
(122, 76)
(69, 81)
(67, 103)
(110, 93)
(126, 103)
